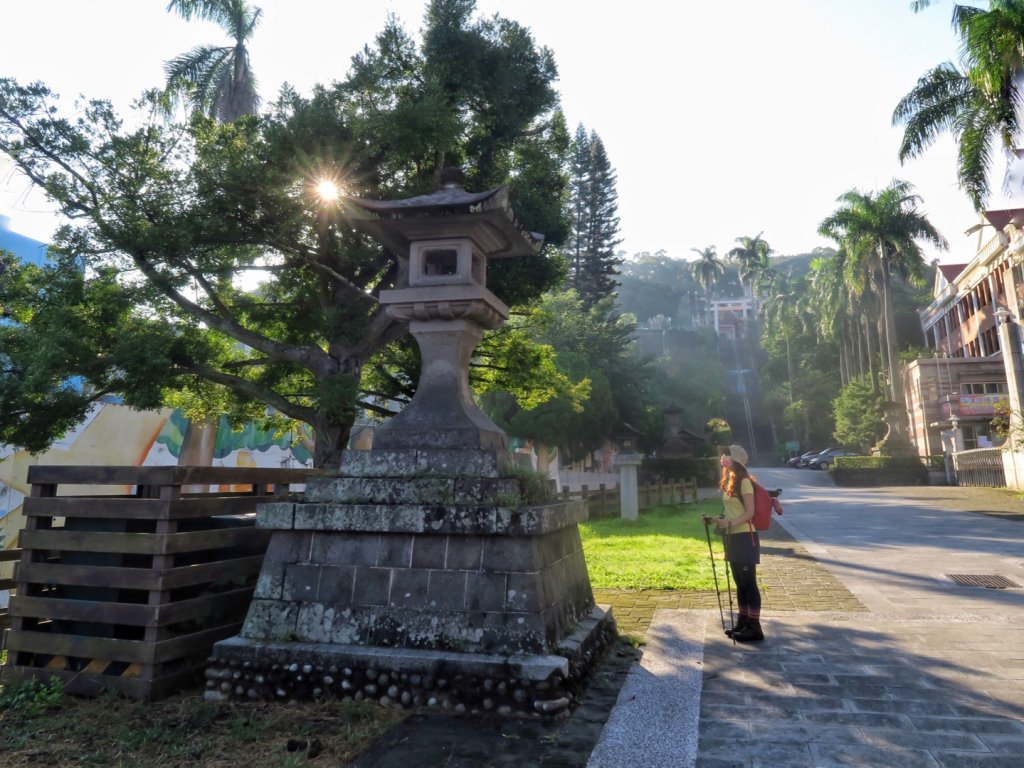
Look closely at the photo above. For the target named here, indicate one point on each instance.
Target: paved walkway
(906, 668)
(874, 656)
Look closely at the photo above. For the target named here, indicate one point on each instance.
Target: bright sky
(722, 119)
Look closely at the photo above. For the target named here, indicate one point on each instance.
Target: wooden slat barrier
(129, 591)
(6, 583)
(604, 502)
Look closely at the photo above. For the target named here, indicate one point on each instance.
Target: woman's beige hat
(737, 454)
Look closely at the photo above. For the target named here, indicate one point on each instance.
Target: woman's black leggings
(748, 596)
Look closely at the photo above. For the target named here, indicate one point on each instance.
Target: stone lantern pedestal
(629, 496)
(427, 571)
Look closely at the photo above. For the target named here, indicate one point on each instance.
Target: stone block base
(542, 685)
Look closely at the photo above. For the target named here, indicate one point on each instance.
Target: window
(983, 388)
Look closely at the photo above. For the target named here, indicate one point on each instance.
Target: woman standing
(742, 545)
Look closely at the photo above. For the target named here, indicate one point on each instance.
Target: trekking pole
(728, 591)
(714, 572)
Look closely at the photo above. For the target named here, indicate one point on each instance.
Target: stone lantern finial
(452, 176)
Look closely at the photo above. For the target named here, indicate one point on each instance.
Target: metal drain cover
(987, 580)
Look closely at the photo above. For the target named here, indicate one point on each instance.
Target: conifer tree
(594, 205)
(579, 174)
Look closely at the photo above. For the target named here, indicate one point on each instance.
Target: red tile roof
(950, 271)
(999, 219)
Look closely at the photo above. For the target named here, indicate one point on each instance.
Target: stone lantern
(429, 561)
(444, 240)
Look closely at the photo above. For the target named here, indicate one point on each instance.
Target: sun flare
(327, 191)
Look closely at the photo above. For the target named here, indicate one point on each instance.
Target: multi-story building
(940, 388)
(965, 381)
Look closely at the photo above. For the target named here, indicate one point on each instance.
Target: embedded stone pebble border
(445, 682)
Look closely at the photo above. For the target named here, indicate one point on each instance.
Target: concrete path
(932, 674)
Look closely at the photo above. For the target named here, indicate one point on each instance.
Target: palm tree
(976, 102)
(751, 257)
(781, 312)
(881, 232)
(830, 298)
(845, 300)
(706, 270)
(216, 80)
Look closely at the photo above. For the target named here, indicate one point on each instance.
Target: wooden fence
(604, 502)
(6, 556)
(130, 590)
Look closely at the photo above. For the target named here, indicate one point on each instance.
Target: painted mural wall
(116, 435)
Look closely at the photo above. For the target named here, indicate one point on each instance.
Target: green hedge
(880, 470)
(705, 470)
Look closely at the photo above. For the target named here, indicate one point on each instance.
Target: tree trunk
(851, 353)
(329, 442)
(895, 385)
(860, 350)
(789, 366)
(883, 361)
(844, 372)
(872, 369)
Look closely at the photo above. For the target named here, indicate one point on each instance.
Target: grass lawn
(665, 549)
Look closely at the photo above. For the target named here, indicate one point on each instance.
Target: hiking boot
(751, 633)
(741, 622)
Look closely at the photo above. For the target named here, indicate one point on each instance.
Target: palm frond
(931, 108)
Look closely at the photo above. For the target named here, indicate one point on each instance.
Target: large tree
(610, 382)
(175, 224)
(594, 207)
(977, 101)
(216, 80)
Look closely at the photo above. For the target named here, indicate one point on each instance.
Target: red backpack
(764, 505)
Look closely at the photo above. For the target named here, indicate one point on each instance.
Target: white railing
(980, 466)
(575, 480)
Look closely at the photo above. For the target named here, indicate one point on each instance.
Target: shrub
(32, 697)
(680, 468)
(879, 470)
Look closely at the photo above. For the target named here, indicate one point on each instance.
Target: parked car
(807, 462)
(801, 460)
(826, 459)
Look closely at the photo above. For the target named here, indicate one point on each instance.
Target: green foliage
(912, 353)
(200, 267)
(653, 284)
(705, 470)
(665, 549)
(534, 486)
(594, 353)
(593, 202)
(688, 377)
(707, 269)
(880, 235)
(886, 462)
(751, 257)
(32, 697)
(883, 470)
(858, 414)
(216, 80)
(977, 102)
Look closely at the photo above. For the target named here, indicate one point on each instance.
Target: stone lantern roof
(485, 217)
